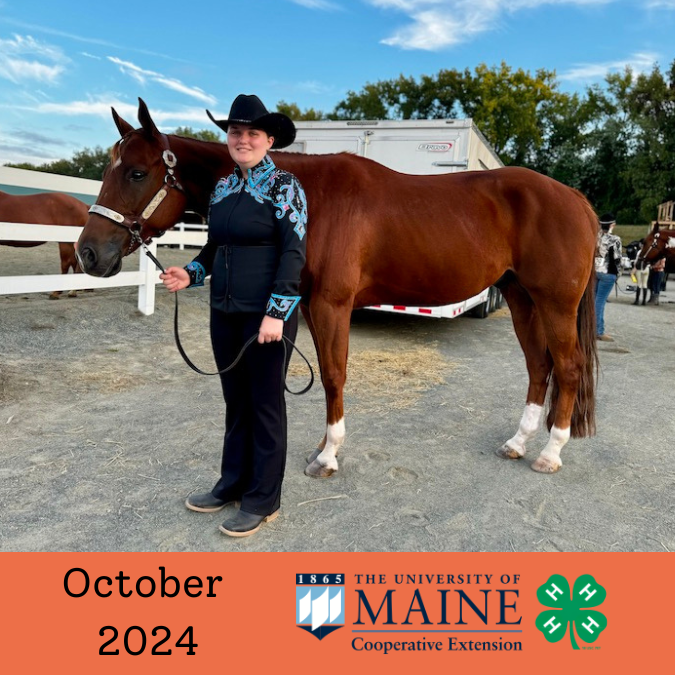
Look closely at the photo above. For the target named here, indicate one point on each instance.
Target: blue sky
(64, 63)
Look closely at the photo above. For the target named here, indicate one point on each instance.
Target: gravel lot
(104, 431)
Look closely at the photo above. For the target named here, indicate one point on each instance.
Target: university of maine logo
(319, 603)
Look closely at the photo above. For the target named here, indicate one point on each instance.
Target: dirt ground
(104, 431)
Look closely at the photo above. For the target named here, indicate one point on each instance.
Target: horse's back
(436, 237)
(47, 208)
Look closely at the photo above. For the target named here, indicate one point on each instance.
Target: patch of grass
(629, 233)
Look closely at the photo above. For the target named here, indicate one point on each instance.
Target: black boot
(655, 297)
(644, 296)
(637, 296)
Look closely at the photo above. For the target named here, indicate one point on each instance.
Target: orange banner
(265, 612)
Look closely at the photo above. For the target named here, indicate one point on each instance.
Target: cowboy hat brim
(277, 125)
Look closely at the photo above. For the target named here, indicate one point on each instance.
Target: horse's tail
(583, 415)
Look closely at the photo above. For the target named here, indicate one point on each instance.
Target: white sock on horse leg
(556, 442)
(529, 425)
(335, 437)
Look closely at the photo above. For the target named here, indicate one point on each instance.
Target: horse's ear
(123, 127)
(655, 229)
(145, 119)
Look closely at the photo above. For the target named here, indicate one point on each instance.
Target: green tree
(432, 97)
(87, 163)
(650, 104)
(294, 112)
(200, 135)
(507, 107)
(564, 123)
(371, 103)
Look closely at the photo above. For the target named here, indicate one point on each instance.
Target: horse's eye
(137, 175)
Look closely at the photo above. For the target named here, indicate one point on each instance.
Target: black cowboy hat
(250, 110)
(607, 219)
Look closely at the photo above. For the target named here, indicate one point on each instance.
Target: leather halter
(135, 223)
(654, 244)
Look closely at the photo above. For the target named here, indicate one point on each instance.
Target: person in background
(607, 261)
(254, 253)
(658, 270)
(641, 273)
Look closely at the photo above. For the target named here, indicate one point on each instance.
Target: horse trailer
(420, 147)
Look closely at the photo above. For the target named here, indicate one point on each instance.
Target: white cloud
(438, 24)
(585, 72)
(99, 106)
(86, 39)
(432, 30)
(25, 59)
(314, 87)
(141, 75)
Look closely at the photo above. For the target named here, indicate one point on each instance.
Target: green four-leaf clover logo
(588, 623)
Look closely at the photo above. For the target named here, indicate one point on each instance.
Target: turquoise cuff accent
(281, 306)
(197, 273)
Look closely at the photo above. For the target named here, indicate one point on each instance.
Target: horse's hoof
(507, 452)
(545, 465)
(55, 295)
(72, 294)
(316, 470)
(313, 455)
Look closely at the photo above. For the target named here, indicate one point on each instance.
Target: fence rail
(146, 278)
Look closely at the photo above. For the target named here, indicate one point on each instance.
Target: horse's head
(140, 197)
(656, 246)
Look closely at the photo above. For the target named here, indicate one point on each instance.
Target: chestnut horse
(376, 236)
(46, 208)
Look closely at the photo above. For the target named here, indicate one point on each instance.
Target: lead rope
(249, 342)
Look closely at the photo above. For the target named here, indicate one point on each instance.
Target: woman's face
(247, 145)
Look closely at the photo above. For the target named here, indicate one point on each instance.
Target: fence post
(181, 227)
(146, 290)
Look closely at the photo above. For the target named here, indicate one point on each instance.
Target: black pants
(254, 452)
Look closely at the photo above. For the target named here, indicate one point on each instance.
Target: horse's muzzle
(98, 266)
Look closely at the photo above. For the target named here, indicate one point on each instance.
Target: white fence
(146, 278)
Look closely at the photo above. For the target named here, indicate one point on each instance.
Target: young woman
(254, 254)
(607, 264)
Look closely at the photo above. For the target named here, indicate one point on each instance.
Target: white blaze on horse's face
(671, 242)
(118, 151)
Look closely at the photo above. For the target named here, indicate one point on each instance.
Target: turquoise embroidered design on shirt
(197, 273)
(265, 182)
(226, 187)
(281, 306)
(292, 197)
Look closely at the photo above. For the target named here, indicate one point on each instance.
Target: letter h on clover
(588, 623)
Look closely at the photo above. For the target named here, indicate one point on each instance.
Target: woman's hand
(271, 330)
(175, 279)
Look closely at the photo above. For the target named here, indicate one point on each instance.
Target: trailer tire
(481, 311)
(495, 299)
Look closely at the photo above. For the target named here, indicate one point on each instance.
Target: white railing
(146, 278)
(182, 227)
